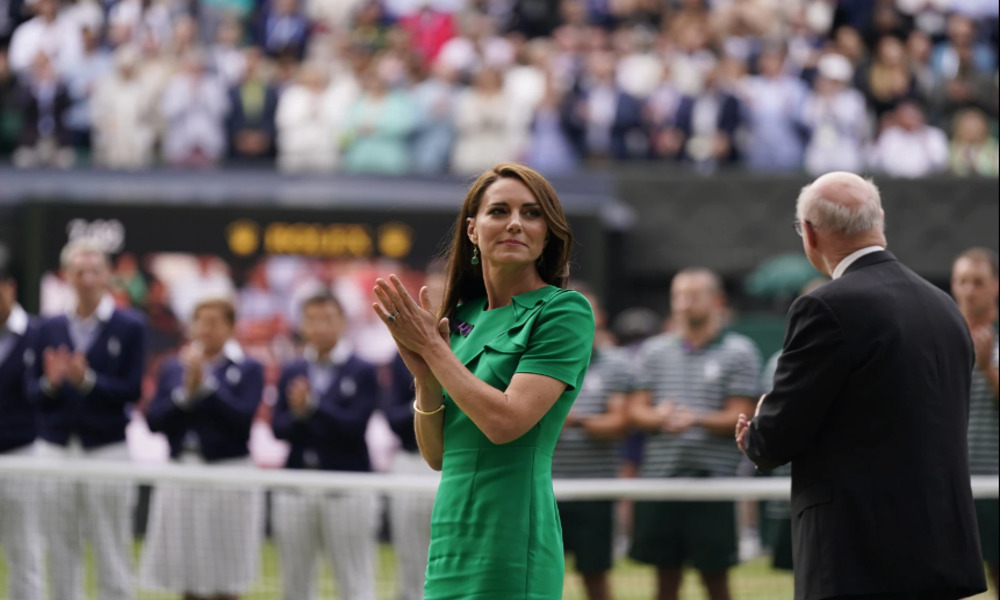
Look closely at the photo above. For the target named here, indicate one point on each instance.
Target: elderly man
(870, 404)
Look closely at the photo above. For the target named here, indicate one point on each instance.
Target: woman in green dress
(496, 371)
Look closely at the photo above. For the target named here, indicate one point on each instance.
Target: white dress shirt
(851, 258)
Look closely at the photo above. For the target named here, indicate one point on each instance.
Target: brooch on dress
(462, 328)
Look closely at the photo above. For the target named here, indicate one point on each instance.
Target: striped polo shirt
(984, 425)
(702, 379)
(576, 453)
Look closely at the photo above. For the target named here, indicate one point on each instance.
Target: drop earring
(475, 255)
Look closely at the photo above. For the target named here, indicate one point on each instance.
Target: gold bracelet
(427, 413)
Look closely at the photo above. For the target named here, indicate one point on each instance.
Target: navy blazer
(335, 431)
(398, 405)
(729, 120)
(118, 359)
(221, 419)
(17, 411)
(628, 126)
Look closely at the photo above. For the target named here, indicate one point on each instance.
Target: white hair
(826, 214)
(82, 245)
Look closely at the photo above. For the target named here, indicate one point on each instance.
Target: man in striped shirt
(690, 387)
(589, 446)
(975, 285)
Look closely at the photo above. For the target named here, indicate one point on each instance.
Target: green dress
(495, 532)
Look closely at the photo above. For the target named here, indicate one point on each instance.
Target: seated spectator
(429, 29)
(549, 150)
(370, 31)
(967, 87)
(962, 40)
(378, 127)
(773, 102)
(94, 65)
(122, 114)
(306, 124)
(708, 122)
(194, 106)
(49, 33)
(602, 120)
(10, 114)
(477, 46)
(973, 150)
(253, 105)
(334, 15)
(435, 97)
(918, 51)
(44, 138)
(908, 147)
(482, 125)
(225, 55)
(639, 68)
(888, 79)
(524, 86)
(282, 29)
(835, 115)
(661, 115)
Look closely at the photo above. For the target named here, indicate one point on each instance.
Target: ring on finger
(393, 316)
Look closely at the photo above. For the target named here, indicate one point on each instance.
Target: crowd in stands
(907, 88)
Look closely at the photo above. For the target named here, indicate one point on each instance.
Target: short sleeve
(744, 374)
(646, 365)
(561, 340)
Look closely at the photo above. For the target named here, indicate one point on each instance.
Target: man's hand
(742, 426)
(55, 365)
(192, 357)
(298, 392)
(676, 417)
(76, 368)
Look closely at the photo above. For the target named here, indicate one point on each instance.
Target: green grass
(753, 580)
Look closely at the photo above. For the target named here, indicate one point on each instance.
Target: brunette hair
(465, 280)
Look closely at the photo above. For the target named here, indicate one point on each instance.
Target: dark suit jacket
(729, 119)
(871, 405)
(17, 411)
(240, 120)
(627, 125)
(335, 430)
(118, 358)
(221, 419)
(398, 405)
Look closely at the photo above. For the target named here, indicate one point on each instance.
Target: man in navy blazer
(870, 403)
(87, 373)
(20, 536)
(325, 400)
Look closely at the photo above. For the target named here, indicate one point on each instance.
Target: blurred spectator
(260, 308)
(603, 121)
(129, 279)
(886, 20)
(253, 105)
(165, 330)
(639, 68)
(743, 26)
(282, 30)
(192, 281)
(535, 18)
(435, 98)
(918, 50)
(141, 22)
(94, 65)
(122, 112)
(429, 29)
(691, 59)
(848, 42)
(909, 147)
(836, 117)
(477, 46)
(961, 46)
(194, 106)
(49, 33)
(226, 56)
(773, 102)
(44, 138)
(334, 15)
(661, 115)
(10, 114)
(973, 150)
(307, 132)
(888, 79)
(524, 86)
(966, 87)
(482, 125)
(707, 123)
(369, 31)
(378, 127)
(549, 149)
